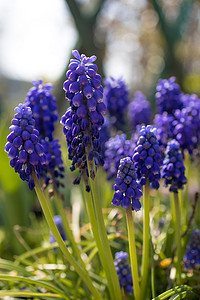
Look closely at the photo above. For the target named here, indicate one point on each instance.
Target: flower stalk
(132, 251)
(49, 218)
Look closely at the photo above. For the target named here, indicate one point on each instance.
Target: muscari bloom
(127, 188)
(192, 255)
(116, 148)
(25, 152)
(173, 170)
(123, 270)
(54, 168)
(116, 97)
(168, 96)
(147, 157)
(84, 118)
(58, 221)
(44, 108)
(139, 110)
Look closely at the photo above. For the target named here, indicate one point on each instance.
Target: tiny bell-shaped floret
(192, 255)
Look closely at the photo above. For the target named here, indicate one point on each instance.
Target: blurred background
(140, 41)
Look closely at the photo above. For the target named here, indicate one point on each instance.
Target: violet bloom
(173, 170)
(25, 152)
(127, 188)
(116, 97)
(147, 157)
(139, 110)
(168, 96)
(44, 108)
(84, 118)
(123, 271)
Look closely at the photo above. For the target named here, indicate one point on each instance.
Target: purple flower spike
(44, 108)
(123, 270)
(139, 111)
(147, 156)
(83, 120)
(192, 255)
(21, 149)
(128, 189)
(173, 170)
(116, 98)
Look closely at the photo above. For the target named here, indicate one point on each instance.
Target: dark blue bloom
(139, 110)
(147, 156)
(164, 124)
(24, 150)
(84, 118)
(192, 255)
(58, 221)
(44, 108)
(54, 168)
(116, 97)
(123, 271)
(127, 188)
(173, 170)
(116, 148)
(168, 96)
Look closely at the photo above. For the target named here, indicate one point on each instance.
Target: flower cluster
(147, 156)
(123, 271)
(192, 254)
(173, 170)
(44, 108)
(127, 189)
(116, 148)
(139, 110)
(58, 221)
(116, 98)
(168, 96)
(23, 148)
(54, 168)
(84, 117)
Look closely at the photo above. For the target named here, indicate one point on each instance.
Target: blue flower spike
(173, 170)
(84, 118)
(147, 157)
(123, 271)
(24, 150)
(127, 189)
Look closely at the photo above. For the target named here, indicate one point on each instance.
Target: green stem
(178, 237)
(95, 230)
(187, 163)
(103, 235)
(146, 240)
(66, 226)
(81, 272)
(132, 251)
(30, 294)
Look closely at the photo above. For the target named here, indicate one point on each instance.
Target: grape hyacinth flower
(25, 152)
(164, 126)
(84, 118)
(123, 271)
(147, 157)
(116, 148)
(173, 170)
(44, 108)
(139, 110)
(116, 97)
(192, 255)
(54, 168)
(168, 96)
(58, 221)
(127, 189)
